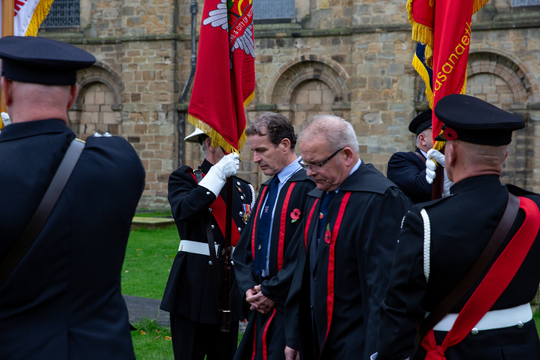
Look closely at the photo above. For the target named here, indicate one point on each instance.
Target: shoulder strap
(475, 272)
(43, 211)
(420, 156)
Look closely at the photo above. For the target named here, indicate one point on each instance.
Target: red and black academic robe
(354, 258)
(461, 226)
(266, 332)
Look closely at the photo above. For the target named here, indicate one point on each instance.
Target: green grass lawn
(149, 257)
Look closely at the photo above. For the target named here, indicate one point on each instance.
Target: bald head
(464, 159)
(29, 102)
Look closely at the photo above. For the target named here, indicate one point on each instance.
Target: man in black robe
(190, 296)
(348, 239)
(454, 231)
(408, 169)
(265, 284)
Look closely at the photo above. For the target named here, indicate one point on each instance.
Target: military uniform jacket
(63, 299)
(352, 270)
(190, 288)
(461, 226)
(408, 172)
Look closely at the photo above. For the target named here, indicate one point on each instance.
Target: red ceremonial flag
(225, 76)
(445, 27)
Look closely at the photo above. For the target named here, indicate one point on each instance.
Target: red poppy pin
(295, 215)
(328, 234)
(449, 134)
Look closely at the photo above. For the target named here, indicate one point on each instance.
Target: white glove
(431, 166)
(218, 174)
(5, 118)
(432, 156)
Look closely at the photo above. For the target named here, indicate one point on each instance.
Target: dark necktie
(324, 209)
(261, 245)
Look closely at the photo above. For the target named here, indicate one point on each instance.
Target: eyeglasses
(315, 166)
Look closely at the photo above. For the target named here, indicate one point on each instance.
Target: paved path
(140, 309)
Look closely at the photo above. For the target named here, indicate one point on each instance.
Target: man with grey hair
(348, 242)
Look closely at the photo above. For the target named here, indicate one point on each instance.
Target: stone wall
(351, 58)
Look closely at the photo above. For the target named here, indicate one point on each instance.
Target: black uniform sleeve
(402, 311)
(408, 177)
(187, 199)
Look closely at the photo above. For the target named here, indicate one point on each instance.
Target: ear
(7, 91)
(73, 92)
(349, 155)
(506, 154)
(422, 139)
(450, 154)
(285, 144)
(209, 147)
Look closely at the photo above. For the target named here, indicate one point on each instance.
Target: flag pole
(226, 315)
(8, 10)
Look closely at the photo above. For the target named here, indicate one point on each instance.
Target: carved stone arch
(99, 104)
(101, 73)
(305, 67)
(505, 81)
(507, 67)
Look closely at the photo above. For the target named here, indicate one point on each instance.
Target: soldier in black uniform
(190, 296)
(440, 241)
(408, 169)
(62, 301)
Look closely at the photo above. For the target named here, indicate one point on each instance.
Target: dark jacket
(352, 270)
(287, 218)
(461, 226)
(408, 172)
(63, 300)
(190, 289)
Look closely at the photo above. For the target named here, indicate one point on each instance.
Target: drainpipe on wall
(181, 118)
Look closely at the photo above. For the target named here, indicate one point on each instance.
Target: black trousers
(192, 340)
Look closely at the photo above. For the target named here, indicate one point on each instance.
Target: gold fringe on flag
(40, 13)
(425, 76)
(478, 4)
(249, 99)
(420, 33)
(217, 139)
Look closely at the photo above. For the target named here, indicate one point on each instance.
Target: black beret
(42, 61)
(421, 122)
(472, 120)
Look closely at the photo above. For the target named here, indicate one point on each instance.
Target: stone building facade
(351, 58)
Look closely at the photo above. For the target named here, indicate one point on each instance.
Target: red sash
(492, 286)
(219, 211)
